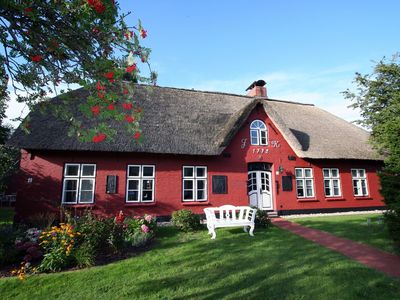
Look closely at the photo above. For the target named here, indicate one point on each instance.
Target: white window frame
(195, 179)
(259, 131)
(330, 178)
(359, 180)
(79, 178)
(140, 178)
(303, 179)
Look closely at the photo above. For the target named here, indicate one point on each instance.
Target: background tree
(378, 98)
(49, 45)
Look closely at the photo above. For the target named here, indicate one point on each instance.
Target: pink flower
(145, 228)
(148, 218)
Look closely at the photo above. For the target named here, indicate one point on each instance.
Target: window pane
(201, 195)
(88, 170)
(361, 172)
(263, 137)
(201, 184)
(69, 196)
(326, 173)
(355, 187)
(133, 184)
(354, 173)
(188, 172)
(299, 173)
(188, 195)
(309, 192)
(363, 187)
(133, 195)
(335, 172)
(327, 187)
(86, 196)
(147, 184)
(336, 191)
(72, 170)
(188, 184)
(71, 184)
(307, 173)
(134, 171)
(148, 171)
(87, 184)
(308, 182)
(300, 192)
(200, 172)
(254, 137)
(147, 196)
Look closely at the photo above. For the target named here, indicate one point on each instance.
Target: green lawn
(353, 227)
(6, 215)
(275, 264)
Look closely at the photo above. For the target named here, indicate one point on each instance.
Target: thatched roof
(180, 121)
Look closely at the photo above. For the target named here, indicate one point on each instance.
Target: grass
(6, 215)
(275, 264)
(353, 227)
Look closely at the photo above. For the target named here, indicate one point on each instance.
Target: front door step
(272, 214)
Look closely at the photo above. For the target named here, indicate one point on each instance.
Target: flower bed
(79, 242)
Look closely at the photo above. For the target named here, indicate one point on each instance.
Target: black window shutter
(111, 184)
(219, 184)
(287, 184)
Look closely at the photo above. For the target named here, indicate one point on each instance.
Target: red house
(202, 149)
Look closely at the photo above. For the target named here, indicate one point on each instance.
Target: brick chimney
(257, 89)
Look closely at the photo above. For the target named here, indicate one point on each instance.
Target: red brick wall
(46, 169)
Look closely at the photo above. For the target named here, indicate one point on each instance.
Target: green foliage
(41, 54)
(8, 156)
(378, 98)
(139, 231)
(186, 220)
(8, 252)
(84, 256)
(262, 219)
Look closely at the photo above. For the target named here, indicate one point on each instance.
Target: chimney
(257, 89)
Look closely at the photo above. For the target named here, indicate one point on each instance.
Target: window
(79, 182)
(194, 183)
(258, 133)
(331, 182)
(140, 183)
(304, 183)
(359, 182)
(219, 184)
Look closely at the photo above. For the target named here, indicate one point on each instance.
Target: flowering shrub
(186, 220)
(139, 230)
(58, 243)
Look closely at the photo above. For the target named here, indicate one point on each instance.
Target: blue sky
(307, 51)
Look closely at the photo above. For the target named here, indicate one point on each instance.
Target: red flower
(143, 33)
(95, 30)
(126, 91)
(128, 35)
(95, 110)
(109, 75)
(28, 10)
(130, 69)
(138, 110)
(99, 138)
(137, 135)
(111, 107)
(127, 106)
(36, 58)
(119, 219)
(100, 87)
(129, 119)
(98, 6)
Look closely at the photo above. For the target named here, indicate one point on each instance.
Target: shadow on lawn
(273, 264)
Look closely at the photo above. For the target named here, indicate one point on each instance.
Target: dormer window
(258, 133)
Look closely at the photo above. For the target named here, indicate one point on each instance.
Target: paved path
(369, 256)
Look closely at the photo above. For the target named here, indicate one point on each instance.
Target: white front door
(259, 187)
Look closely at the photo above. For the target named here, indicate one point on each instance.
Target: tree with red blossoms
(50, 45)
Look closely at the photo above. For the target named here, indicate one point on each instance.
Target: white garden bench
(230, 216)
